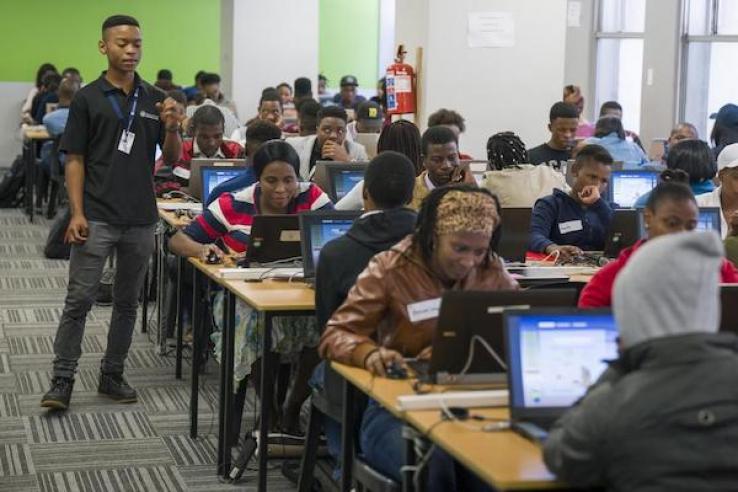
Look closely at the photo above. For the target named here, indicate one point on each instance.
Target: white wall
(273, 42)
(495, 89)
(12, 95)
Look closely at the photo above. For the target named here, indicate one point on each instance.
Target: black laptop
(316, 229)
(515, 234)
(553, 357)
(729, 301)
(465, 315)
(624, 231)
(274, 238)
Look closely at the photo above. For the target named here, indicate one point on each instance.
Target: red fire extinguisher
(400, 85)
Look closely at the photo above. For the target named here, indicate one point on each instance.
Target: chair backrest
(367, 479)
(56, 172)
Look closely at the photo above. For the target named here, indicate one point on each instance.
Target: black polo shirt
(118, 187)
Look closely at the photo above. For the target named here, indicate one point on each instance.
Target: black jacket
(663, 417)
(344, 258)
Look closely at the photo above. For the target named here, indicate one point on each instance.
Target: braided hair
(404, 137)
(505, 149)
(424, 235)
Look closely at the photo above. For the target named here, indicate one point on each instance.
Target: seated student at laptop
(277, 191)
(387, 317)
(694, 157)
(329, 143)
(725, 196)
(451, 120)
(671, 208)
(401, 136)
(389, 182)
(563, 121)
(257, 133)
(270, 109)
(207, 142)
(664, 415)
(440, 151)
(609, 133)
(576, 221)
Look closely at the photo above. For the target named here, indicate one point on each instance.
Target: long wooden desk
(503, 459)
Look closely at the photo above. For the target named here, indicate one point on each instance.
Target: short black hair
(505, 149)
(332, 112)
(562, 110)
(199, 75)
(262, 131)
(307, 115)
(674, 186)
(447, 117)
(45, 67)
(207, 115)
(402, 136)
(119, 20)
(390, 179)
(178, 96)
(210, 78)
(285, 84)
(593, 153)
(70, 70)
(436, 135)
(607, 125)
(275, 150)
(51, 81)
(693, 157)
(610, 105)
(270, 95)
(303, 87)
(322, 77)
(164, 74)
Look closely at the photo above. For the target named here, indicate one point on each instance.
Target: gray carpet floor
(97, 445)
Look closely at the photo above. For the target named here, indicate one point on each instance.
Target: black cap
(349, 80)
(369, 110)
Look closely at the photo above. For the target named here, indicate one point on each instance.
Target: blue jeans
(331, 428)
(133, 246)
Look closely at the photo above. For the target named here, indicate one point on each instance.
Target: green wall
(181, 35)
(349, 40)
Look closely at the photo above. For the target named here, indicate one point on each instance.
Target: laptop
(625, 231)
(194, 187)
(274, 241)
(626, 187)
(729, 300)
(322, 177)
(212, 176)
(316, 229)
(707, 220)
(515, 234)
(342, 179)
(553, 357)
(465, 315)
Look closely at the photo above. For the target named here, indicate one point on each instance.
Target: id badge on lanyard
(125, 144)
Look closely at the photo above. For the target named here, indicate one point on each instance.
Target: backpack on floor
(11, 187)
(55, 247)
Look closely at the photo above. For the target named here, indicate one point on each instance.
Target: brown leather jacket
(376, 309)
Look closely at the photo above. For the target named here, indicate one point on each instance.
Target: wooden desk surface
(36, 133)
(502, 459)
(273, 295)
(211, 271)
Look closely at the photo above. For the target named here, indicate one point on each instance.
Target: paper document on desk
(465, 399)
(180, 206)
(283, 273)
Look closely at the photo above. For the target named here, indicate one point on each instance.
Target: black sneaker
(116, 387)
(59, 395)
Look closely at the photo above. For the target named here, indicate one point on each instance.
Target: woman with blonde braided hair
(391, 312)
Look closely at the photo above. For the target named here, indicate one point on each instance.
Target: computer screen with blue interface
(344, 180)
(554, 358)
(215, 176)
(324, 231)
(628, 186)
(709, 219)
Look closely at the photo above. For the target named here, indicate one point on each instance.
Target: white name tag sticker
(288, 236)
(570, 226)
(423, 310)
(126, 141)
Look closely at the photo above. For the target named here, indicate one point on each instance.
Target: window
(619, 67)
(709, 51)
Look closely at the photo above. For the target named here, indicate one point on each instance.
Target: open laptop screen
(553, 357)
(344, 180)
(626, 187)
(215, 175)
(707, 220)
(317, 228)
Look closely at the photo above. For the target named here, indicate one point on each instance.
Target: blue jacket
(559, 219)
(698, 188)
(629, 153)
(238, 183)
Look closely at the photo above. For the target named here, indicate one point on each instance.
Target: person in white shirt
(724, 196)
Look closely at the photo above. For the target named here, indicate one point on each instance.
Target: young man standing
(563, 122)
(110, 140)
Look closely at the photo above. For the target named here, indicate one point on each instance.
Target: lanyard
(127, 122)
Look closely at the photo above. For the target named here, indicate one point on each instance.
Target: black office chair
(56, 178)
(367, 479)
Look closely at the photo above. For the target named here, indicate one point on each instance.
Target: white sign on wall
(491, 30)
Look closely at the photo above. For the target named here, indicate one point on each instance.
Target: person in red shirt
(671, 208)
(207, 142)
